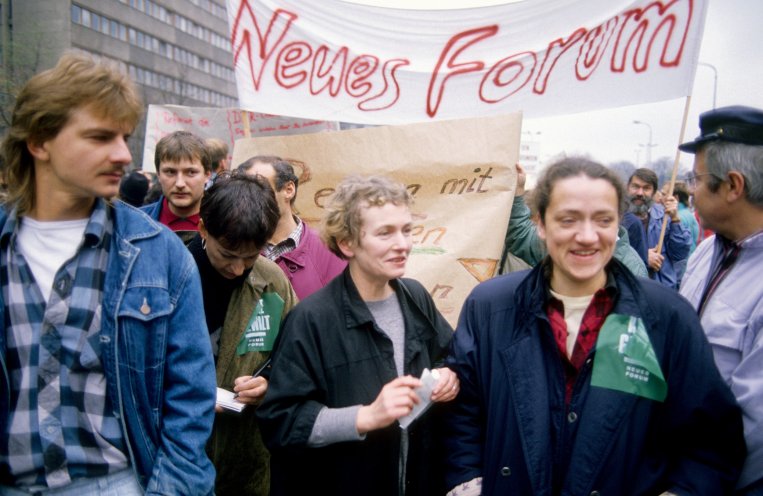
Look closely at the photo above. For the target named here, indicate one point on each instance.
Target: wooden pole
(245, 121)
(675, 173)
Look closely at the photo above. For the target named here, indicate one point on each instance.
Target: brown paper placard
(460, 172)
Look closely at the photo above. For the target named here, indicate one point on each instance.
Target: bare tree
(624, 169)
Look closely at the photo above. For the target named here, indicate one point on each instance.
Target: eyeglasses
(691, 178)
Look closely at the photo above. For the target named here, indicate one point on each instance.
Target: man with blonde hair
(107, 382)
(218, 158)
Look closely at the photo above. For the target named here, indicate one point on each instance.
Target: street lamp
(715, 79)
(649, 145)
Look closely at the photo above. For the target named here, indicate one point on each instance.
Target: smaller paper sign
(625, 359)
(263, 326)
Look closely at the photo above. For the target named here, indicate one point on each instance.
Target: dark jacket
(332, 354)
(636, 234)
(511, 426)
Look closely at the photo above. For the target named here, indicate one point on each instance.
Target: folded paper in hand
(428, 380)
(225, 399)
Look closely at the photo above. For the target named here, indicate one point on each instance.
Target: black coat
(331, 353)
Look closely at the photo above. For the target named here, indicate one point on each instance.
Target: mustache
(640, 209)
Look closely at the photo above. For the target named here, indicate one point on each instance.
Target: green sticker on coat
(263, 326)
(625, 359)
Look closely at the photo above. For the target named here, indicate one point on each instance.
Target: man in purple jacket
(295, 247)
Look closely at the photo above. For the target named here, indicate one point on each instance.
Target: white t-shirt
(574, 309)
(46, 246)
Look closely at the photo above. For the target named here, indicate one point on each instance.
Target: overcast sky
(732, 43)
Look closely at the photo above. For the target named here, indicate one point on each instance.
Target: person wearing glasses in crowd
(722, 280)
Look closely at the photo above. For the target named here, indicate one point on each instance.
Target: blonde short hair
(45, 105)
(218, 151)
(341, 218)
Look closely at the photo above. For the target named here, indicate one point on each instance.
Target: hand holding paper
(248, 390)
(396, 399)
(429, 379)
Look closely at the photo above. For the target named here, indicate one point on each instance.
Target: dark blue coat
(510, 424)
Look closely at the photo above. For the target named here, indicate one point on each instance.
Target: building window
(146, 41)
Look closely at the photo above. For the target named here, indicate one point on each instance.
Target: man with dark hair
(183, 167)
(642, 186)
(106, 372)
(722, 280)
(246, 296)
(295, 247)
(133, 188)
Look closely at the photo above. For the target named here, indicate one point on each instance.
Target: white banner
(335, 60)
(225, 124)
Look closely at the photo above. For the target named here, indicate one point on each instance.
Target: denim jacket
(675, 247)
(156, 356)
(153, 210)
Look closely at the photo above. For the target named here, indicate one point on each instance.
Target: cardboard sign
(226, 124)
(460, 173)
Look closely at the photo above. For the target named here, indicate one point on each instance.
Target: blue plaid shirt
(62, 423)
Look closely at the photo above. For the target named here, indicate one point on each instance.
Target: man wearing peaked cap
(722, 280)
(734, 124)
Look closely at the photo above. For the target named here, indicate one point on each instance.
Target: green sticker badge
(263, 326)
(625, 359)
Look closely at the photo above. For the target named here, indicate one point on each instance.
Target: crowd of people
(605, 360)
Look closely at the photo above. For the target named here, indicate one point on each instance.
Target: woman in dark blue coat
(578, 378)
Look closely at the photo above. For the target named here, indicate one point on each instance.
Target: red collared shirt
(169, 219)
(601, 305)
